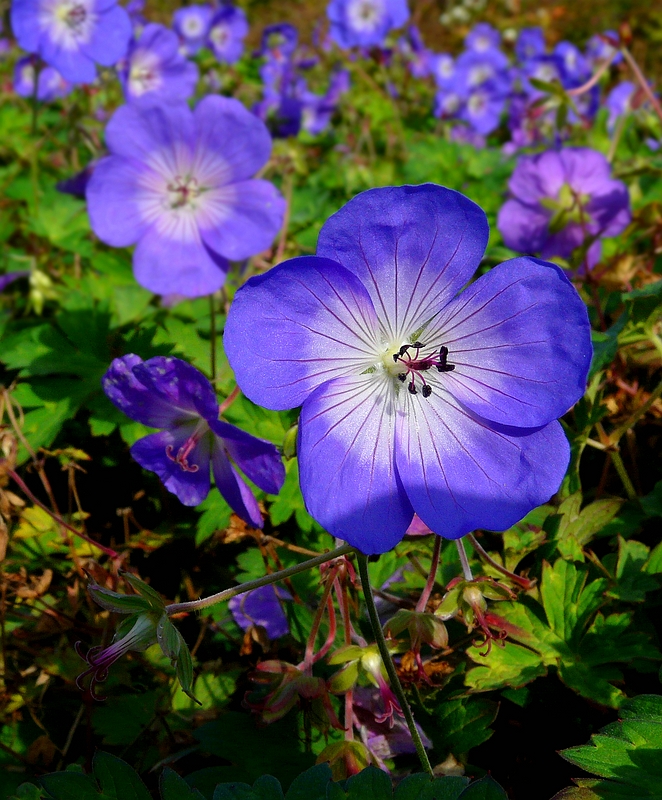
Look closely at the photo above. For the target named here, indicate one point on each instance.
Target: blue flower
(263, 607)
(168, 393)
(415, 398)
(365, 23)
(50, 84)
(227, 31)
(154, 70)
(191, 24)
(179, 184)
(72, 35)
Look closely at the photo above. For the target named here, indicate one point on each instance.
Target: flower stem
(525, 583)
(212, 337)
(466, 569)
(429, 584)
(641, 79)
(623, 474)
(390, 666)
(226, 594)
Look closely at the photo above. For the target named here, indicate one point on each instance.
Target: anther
(402, 376)
(427, 390)
(412, 388)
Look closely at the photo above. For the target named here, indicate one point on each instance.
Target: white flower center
(364, 15)
(144, 74)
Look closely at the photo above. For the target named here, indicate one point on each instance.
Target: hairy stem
(466, 569)
(390, 666)
(274, 577)
(429, 584)
(525, 583)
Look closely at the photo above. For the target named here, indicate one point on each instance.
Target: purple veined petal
(169, 265)
(301, 324)
(348, 476)
(229, 138)
(139, 401)
(152, 134)
(523, 227)
(508, 336)
(157, 453)
(111, 195)
(238, 496)
(256, 458)
(262, 607)
(110, 37)
(180, 385)
(241, 219)
(462, 473)
(410, 270)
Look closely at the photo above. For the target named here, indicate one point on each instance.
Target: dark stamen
(427, 390)
(412, 387)
(402, 377)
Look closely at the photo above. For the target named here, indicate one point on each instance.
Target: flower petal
(241, 219)
(180, 385)
(304, 322)
(111, 201)
(238, 496)
(169, 265)
(110, 37)
(462, 473)
(191, 486)
(520, 340)
(256, 458)
(227, 131)
(346, 463)
(413, 248)
(147, 134)
(139, 402)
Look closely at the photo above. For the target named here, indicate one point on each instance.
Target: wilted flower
(365, 23)
(154, 70)
(262, 607)
(168, 393)
(179, 184)
(414, 400)
(72, 35)
(563, 200)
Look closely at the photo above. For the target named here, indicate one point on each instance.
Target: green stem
(390, 666)
(212, 337)
(226, 594)
(616, 435)
(466, 569)
(623, 474)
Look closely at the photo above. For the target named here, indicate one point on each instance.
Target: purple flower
(178, 183)
(10, 277)
(413, 399)
(418, 57)
(482, 38)
(442, 66)
(279, 41)
(575, 69)
(191, 24)
(227, 31)
(168, 393)
(603, 47)
(619, 102)
(263, 607)
(562, 200)
(530, 43)
(475, 70)
(72, 35)
(483, 108)
(365, 23)
(50, 84)
(154, 70)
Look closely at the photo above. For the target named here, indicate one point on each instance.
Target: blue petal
(462, 473)
(238, 496)
(190, 486)
(346, 463)
(180, 384)
(520, 340)
(256, 458)
(412, 247)
(301, 324)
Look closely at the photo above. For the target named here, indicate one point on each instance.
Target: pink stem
(429, 584)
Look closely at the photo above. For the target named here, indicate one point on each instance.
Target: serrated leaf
(174, 787)
(117, 780)
(464, 723)
(420, 787)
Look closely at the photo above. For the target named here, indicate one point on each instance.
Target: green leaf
(27, 791)
(116, 602)
(633, 580)
(115, 778)
(311, 785)
(627, 753)
(605, 346)
(145, 590)
(70, 786)
(369, 783)
(463, 723)
(484, 789)
(420, 787)
(123, 717)
(174, 787)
